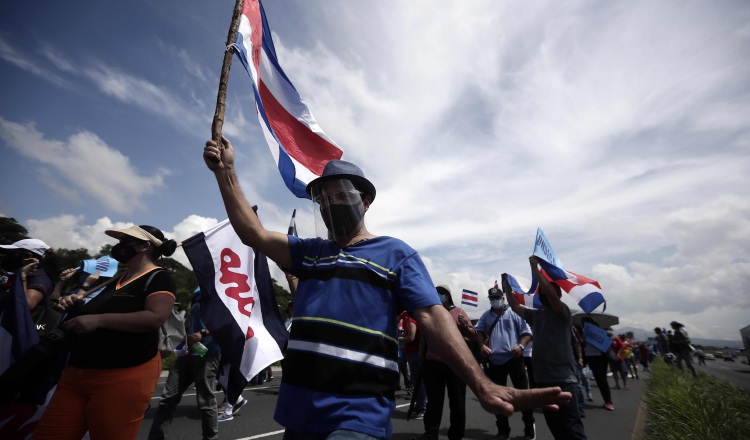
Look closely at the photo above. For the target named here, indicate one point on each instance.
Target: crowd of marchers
(361, 303)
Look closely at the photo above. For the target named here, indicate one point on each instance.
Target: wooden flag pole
(221, 98)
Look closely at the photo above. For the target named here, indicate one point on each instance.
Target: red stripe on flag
(251, 10)
(302, 144)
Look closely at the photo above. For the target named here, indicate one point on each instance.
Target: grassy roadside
(680, 407)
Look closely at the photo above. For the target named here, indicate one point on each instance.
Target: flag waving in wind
(585, 291)
(525, 297)
(239, 307)
(299, 146)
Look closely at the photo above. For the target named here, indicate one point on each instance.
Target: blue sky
(621, 129)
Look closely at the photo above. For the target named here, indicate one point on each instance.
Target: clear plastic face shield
(338, 209)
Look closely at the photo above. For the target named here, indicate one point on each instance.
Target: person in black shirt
(114, 361)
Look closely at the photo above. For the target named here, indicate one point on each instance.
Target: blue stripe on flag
(592, 301)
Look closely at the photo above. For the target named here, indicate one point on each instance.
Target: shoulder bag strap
(492, 327)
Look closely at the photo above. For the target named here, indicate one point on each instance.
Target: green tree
(67, 258)
(106, 250)
(11, 231)
(184, 278)
(283, 296)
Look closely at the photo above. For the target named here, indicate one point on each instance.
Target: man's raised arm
(220, 160)
(512, 301)
(545, 287)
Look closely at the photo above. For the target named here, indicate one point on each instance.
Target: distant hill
(641, 335)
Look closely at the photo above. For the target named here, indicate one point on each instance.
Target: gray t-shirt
(552, 359)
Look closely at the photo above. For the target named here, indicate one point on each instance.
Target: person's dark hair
(167, 247)
(675, 325)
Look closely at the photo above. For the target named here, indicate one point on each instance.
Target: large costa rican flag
(239, 306)
(299, 146)
(585, 291)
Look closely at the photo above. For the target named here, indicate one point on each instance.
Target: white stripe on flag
(261, 350)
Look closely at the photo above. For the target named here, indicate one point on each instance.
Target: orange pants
(109, 403)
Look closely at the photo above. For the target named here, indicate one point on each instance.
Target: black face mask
(123, 252)
(12, 261)
(343, 219)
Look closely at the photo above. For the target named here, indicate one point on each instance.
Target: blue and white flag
(239, 307)
(543, 249)
(597, 337)
(469, 298)
(106, 265)
(299, 146)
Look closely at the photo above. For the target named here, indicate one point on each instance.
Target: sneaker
(529, 433)
(609, 407)
(582, 413)
(419, 416)
(237, 406)
(591, 398)
(225, 418)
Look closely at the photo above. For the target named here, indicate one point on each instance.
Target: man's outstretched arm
(440, 330)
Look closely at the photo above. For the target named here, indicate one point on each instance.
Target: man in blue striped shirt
(341, 368)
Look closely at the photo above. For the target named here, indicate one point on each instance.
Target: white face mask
(496, 304)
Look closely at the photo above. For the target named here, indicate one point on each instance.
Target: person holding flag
(341, 367)
(114, 362)
(553, 360)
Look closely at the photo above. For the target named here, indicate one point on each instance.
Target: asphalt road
(255, 420)
(733, 372)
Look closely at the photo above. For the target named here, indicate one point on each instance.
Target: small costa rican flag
(469, 298)
(299, 146)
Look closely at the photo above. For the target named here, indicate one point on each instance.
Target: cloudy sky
(621, 129)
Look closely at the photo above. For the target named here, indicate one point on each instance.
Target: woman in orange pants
(114, 361)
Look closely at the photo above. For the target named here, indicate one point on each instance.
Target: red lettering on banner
(230, 260)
